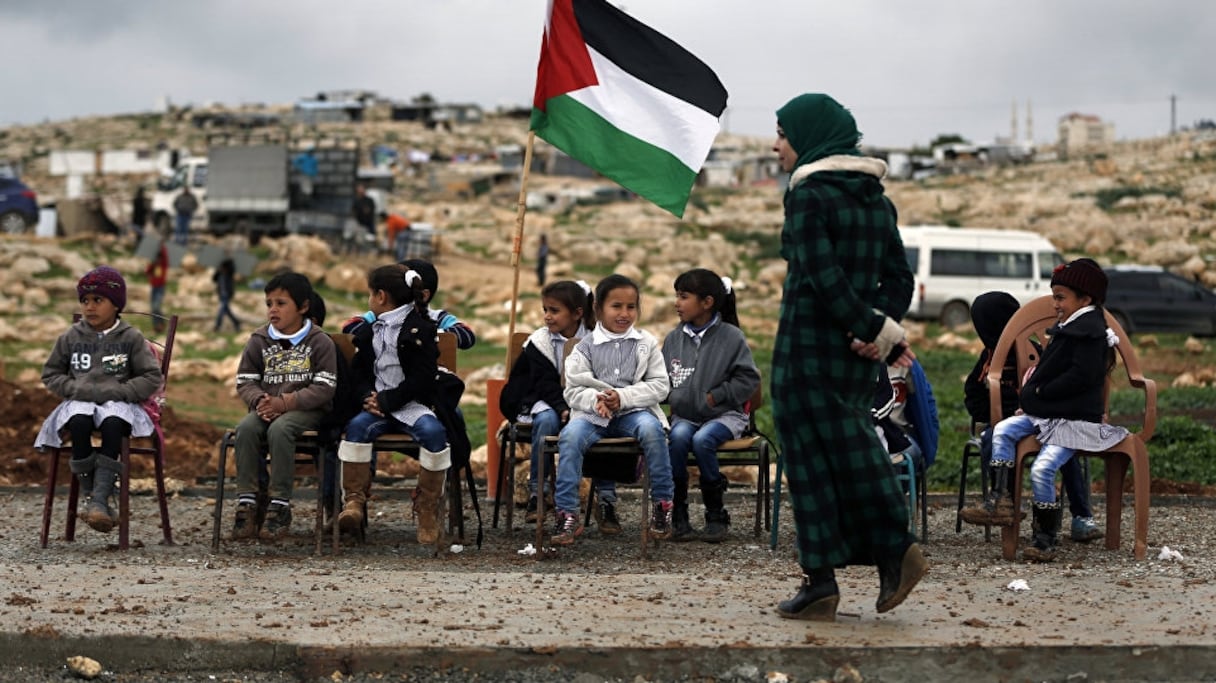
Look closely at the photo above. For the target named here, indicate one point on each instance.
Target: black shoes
(816, 600)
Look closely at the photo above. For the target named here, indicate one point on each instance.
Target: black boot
(98, 514)
(1047, 521)
(717, 519)
(816, 599)
(681, 528)
(897, 576)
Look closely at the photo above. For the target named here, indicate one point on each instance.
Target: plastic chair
(152, 446)
(1030, 323)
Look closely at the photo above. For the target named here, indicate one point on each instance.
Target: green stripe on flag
(640, 167)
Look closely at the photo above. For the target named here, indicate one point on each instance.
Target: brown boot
(426, 504)
(997, 510)
(356, 480)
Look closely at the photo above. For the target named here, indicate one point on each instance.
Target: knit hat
(1083, 276)
(430, 277)
(104, 281)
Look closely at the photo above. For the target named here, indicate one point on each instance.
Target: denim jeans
(366, 428)
(1050, 459)
(703, 441)
(580, 435)
(181, 232)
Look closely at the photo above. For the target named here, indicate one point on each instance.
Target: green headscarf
(818, 126)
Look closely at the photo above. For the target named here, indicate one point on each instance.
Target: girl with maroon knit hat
(1062, 403)
(103, 370)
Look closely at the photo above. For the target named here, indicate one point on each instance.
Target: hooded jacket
(115, 366)
(990, 312)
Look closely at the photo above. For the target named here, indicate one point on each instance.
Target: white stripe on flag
(649, 114)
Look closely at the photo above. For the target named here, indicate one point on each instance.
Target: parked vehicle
(1152, 299)
(18, 206)
(952, 266)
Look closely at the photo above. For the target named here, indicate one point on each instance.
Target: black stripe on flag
(649, 56)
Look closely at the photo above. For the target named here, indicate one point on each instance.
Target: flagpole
(517, 244)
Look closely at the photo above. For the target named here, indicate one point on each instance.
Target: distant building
(1083, 133)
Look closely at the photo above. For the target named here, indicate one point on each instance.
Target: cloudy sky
(908, 70)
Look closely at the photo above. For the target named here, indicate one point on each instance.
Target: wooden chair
(750, 450)
(405, 444)
(310, 451)
(152, 446)
(1030, 323)
(310, 448)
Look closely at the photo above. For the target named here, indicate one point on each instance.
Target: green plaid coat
(845, 259)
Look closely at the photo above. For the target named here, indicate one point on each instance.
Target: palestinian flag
(625, 100)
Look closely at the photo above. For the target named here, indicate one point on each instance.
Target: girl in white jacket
(615, 381)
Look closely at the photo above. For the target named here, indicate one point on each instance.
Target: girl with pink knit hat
(103, 370)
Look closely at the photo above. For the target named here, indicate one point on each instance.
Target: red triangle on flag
(565, 65)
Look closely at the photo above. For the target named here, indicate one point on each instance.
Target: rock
(1194, 347)
(84, 667)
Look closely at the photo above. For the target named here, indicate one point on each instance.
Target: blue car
(18, 206)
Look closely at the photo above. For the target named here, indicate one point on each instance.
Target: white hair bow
(585, 287)
(1112, 339)
(727, 283)
(411, 277)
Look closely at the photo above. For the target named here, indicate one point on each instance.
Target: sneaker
(660, 521)
(1085, 530)
(567, 529)
(530, 515)
(278, 522)
(245, 524)
(606, 519)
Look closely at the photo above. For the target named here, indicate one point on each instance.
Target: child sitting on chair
(712, 378)
(396, 370)
(287, 377)
(103, 370)
(533, 393)
(1062, 403)
(990, 312)
(615, 381)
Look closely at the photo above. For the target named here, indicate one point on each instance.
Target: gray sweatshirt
(115, 366)
(721, 366)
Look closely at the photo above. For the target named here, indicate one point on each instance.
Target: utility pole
(1173, 114)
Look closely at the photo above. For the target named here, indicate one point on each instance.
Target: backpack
(921, 412)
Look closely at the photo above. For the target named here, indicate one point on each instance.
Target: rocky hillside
(1150, 202)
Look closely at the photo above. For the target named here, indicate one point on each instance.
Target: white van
(952, 266)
